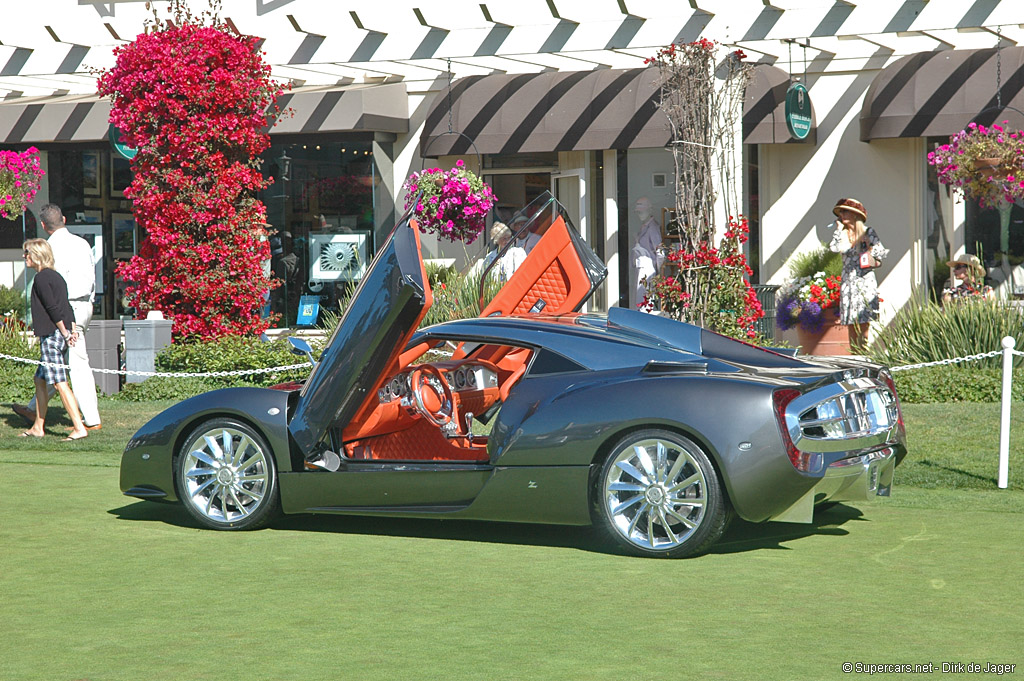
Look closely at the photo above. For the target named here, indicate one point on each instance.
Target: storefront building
(556, 97)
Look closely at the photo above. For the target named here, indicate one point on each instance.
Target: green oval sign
(122, 149)
(798, 111)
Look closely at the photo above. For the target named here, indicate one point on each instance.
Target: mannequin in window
(645, 255)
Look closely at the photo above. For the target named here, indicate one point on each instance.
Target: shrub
(16, 383)
(820, 259)
(157, 388)
(458, 298)
(231, 353)
(925, 332)
(12, 303)
(955, 384)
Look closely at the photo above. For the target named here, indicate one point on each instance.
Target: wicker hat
(852, 205)
(971, 261)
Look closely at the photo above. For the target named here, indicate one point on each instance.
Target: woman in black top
(53, 323)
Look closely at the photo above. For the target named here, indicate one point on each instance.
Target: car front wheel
(657, 494)
(226, 476)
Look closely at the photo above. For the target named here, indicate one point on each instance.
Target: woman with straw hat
(966, 280)
(862, 252)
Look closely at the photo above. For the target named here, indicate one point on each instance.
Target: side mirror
(302, 347)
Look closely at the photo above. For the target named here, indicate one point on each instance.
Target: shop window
(937, 233)
(320, 208)
(997, 237)
(753, 212)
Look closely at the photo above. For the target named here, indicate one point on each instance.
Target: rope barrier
(167, 374)
(293, 367)
(955, 360)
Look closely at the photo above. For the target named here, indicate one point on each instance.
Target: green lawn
(97, 586)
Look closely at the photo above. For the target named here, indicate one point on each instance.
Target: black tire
(657, 494)
(227, 477)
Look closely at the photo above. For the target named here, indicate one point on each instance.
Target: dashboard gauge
(460, 378)
(396, 386)
(471, 378)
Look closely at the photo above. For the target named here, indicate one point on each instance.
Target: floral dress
(858, 294)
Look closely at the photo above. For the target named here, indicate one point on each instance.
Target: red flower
(194, 101)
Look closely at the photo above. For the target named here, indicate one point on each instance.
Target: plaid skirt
(54, 349)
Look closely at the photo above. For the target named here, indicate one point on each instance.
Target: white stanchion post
(1004, 417)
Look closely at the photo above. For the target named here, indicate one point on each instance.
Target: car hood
(385, 310)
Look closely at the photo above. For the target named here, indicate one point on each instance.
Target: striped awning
(938, 93)
(368, 108)
(84, 118)
(550, 111)
(65, 118)
(764, 108)
(580, 110)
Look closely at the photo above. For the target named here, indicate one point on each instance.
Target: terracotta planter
(987, 167)
(833, 339)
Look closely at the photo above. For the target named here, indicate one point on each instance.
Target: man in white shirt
(73, 260)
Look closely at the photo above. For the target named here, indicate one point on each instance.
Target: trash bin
(766, 296)
(102, 342)
(143, 339)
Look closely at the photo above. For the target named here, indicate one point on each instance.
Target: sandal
(72, 438)
(28, 434)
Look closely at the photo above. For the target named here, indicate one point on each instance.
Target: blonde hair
(500, 231)
(40, 251)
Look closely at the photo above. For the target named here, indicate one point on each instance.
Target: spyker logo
(531, 485)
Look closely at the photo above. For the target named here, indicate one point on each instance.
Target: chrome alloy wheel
(225, 475)
(655, 493)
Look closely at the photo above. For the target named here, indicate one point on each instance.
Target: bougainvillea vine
(194, 98)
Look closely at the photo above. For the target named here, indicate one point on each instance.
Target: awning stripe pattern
(84, 118)
(580, 110)
(69, 118)
(938, 93)
(550, 111)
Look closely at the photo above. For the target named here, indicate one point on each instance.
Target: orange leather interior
(366, 411)
(422, 442)
(552, 274)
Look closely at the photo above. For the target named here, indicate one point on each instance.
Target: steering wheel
(432, 395)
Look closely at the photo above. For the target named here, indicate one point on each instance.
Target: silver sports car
(655, 431)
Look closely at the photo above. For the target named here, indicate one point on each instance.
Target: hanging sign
(798, 111)
(122, 149)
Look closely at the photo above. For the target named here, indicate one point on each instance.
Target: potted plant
(809, 302)
(20, 173)
(449, 203)
(985, 162)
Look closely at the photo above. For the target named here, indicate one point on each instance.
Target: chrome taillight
(802, 461)
(887, 379)
(850, 415)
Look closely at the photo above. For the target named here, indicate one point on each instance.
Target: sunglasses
(959, 267)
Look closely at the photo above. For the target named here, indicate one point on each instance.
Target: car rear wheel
(657, 494)
(226, 476)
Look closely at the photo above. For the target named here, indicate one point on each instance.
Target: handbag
(867, 261)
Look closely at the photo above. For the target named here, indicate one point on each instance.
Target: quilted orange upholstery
(422, 442)
(552, 287)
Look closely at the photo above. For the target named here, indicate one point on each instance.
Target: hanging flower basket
(452, 204)
(20, 175)
(986, 163)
